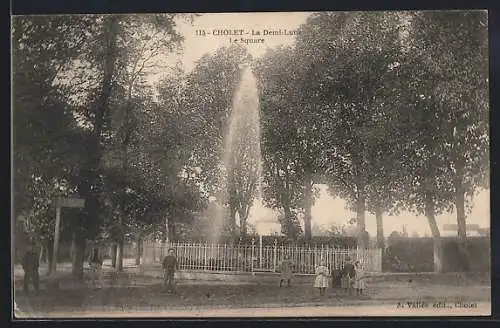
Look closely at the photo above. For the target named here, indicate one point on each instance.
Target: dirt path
(482, 309)
(150, 297)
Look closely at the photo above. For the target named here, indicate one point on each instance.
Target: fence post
(205, 256)
(253, 254)
(315, 257)
(328, 263)
(260, 251)
(275, 249)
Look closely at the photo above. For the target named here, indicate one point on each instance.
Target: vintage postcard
(293, 164)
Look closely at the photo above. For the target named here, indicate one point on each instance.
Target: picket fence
(256, 258)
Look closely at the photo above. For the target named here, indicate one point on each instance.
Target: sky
(326, 209)
(195, 46)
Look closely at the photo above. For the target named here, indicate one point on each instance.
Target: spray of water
(242, 154)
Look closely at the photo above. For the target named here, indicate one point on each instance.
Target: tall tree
(283, 175)
(457, 65)
(142, 39)
(345, 76)
(460, 64)
(44, 49)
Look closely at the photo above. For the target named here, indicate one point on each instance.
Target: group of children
(352, 276)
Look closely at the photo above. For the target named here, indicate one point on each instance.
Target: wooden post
(56, 239)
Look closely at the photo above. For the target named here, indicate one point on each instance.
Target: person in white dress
(322, 274)
(359, 278)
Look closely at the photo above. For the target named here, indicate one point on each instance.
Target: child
(321, 281)
(169, 266)
(348, 273)
(360, 278)
(286, 272)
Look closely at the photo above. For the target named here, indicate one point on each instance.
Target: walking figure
(321, 281)
(30, 267)
(360, 278)
(95, 263)
(348, 273)
(286, 272)
(169, 266)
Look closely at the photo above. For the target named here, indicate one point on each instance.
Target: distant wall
(408, 254)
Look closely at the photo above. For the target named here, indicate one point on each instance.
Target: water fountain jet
(242, 153)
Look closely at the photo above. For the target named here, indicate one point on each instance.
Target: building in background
(473, 230)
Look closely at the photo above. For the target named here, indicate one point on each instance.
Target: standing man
(169, 266)
(30, 267)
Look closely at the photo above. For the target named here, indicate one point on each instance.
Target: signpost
(58, 203)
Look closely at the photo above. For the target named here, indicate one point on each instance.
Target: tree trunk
(380, 228)
(114, 252)
(50, 253)
(119, 256)
(119, 248)
(461, 217)
(139, 250)
(460, 200)
(308, 207)
(73, 247)
(79, 258)
(243, 222)
(232, 222)
(360, 218)
(40, 255)
(171, 231)
(88, 179)
(153, 252)
(286, 224)
(164, 238)
(429, 212)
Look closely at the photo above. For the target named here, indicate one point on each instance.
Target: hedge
(407, 254)
(338, 241)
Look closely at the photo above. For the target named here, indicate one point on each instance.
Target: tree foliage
(389, 110)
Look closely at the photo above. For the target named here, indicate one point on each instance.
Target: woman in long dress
(321, 281)
(359, 278)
